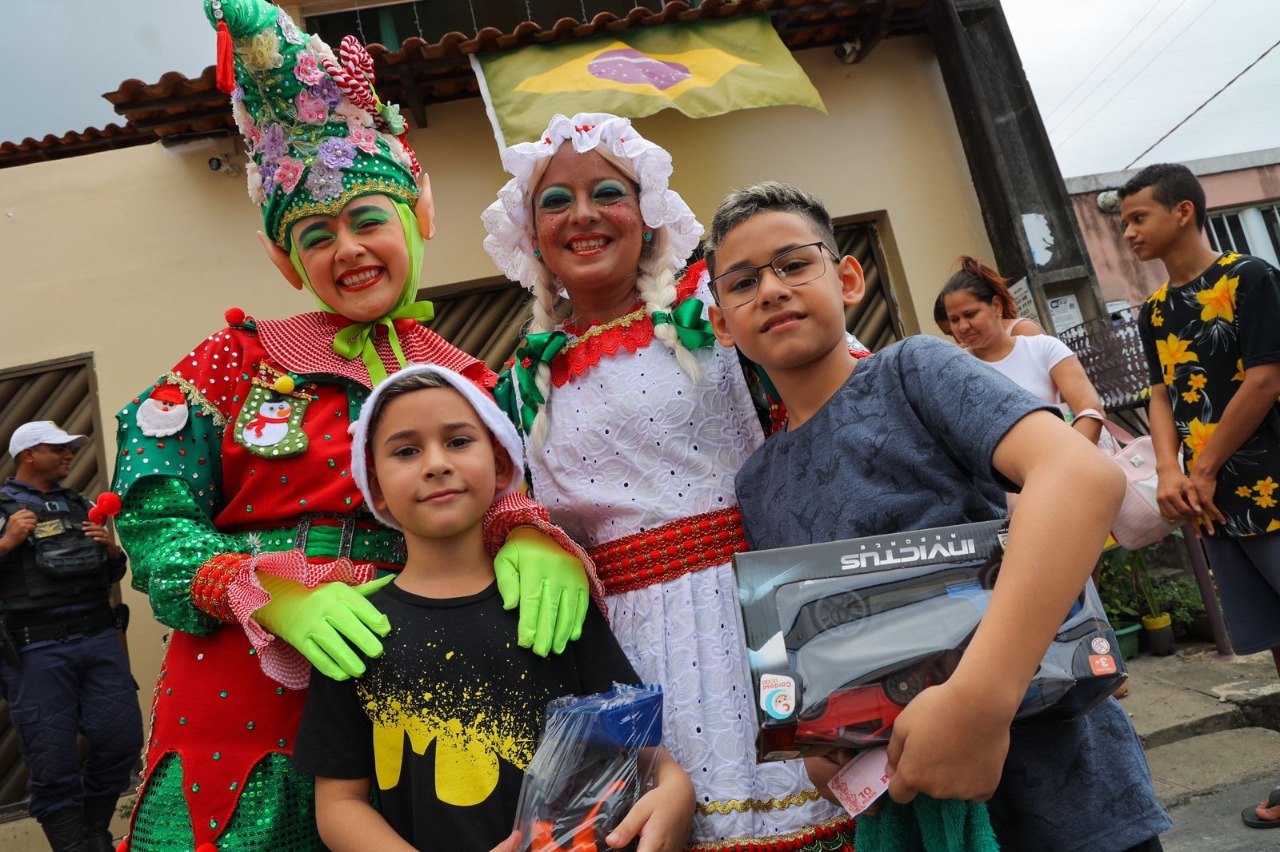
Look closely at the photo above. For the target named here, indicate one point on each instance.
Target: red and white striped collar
(304, 344)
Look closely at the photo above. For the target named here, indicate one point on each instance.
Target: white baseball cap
(29, 435)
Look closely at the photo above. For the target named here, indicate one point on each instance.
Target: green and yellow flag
(702, 69)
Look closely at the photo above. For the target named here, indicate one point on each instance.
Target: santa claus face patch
(164, 413)
(270, 422)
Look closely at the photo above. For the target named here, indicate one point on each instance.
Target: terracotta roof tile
(176, 108)
(71, 144)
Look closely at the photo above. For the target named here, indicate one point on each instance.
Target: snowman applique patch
(270, 421)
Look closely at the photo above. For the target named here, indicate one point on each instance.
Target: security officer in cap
(63, 668)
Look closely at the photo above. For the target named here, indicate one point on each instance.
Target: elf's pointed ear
(280, 258)
(425, 209)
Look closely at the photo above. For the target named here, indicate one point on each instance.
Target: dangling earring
(537, 252)
(648, 235)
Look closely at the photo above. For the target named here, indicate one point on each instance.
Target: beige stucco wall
(133, 255)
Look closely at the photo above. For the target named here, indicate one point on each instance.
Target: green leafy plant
(1116, 588)
(1126, 588)
(1142, 579)
(1182, 599)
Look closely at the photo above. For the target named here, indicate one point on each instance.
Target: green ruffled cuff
(168, 539)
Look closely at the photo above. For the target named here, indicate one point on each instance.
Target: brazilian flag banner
(702, 69)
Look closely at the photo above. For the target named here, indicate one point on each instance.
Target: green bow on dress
(694, 331)
(538, 349)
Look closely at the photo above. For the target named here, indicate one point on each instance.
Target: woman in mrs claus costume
(635, 424)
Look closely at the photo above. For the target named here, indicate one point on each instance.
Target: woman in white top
(1015, 325)
(976, 303)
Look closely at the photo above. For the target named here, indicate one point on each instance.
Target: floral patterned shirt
(1199, 339)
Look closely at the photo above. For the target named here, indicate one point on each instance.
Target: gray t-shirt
(907, 444)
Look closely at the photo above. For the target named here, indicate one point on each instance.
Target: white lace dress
(634, 444)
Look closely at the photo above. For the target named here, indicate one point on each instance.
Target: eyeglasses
(794, 267)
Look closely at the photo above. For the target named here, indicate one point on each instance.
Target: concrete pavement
(1211, 729)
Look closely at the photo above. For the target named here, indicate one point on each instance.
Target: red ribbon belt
(669, 551)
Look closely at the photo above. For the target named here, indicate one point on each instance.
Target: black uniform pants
(81, 684)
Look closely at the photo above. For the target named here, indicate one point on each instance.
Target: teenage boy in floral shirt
(1209, 334)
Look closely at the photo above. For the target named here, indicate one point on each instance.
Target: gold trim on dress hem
(775, 804)
(771, 840)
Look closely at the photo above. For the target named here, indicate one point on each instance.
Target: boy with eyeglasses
(920, 433)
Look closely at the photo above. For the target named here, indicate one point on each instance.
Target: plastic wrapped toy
(589, 769)
(842, 635)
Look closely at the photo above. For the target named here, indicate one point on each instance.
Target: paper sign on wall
(1023, 302)
(1064, 311)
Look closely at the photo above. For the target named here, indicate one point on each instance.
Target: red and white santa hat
(486, 409)
(168, 392)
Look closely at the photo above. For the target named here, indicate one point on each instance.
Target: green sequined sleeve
(168, 539)
(171, 487)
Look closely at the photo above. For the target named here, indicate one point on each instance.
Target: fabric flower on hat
(272, 144)
(253, 177)
(311, 109)
(308, 70)
(252, 135)
(267, 174)
(262, 53)
(289, 29)
(324, 183)
(401, 155)
(288, 173)
(363, 138)
(336, 153)
(320, 49)
(327, 91)
(391, 115)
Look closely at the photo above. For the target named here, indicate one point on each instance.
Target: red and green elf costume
(236, 461)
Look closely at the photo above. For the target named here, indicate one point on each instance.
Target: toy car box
(842, 635)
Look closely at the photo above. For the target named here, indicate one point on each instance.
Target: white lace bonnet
(509, 219)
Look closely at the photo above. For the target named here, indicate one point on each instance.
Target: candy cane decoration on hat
(354, 77)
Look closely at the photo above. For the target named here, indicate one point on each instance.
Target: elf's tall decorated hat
(314, 127)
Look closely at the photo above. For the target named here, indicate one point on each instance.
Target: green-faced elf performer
(240, 514)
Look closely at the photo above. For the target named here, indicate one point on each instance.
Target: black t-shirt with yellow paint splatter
(1199, 339)
(447, 719)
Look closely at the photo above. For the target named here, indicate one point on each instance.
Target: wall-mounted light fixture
(224, 163)
(1109, 201)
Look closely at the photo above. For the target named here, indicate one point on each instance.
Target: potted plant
(1157, 622)
(1120, 600)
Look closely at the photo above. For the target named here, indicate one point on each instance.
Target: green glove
(548, 585)
(325, 622)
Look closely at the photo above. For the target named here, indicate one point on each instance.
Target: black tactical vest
(57, 564)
